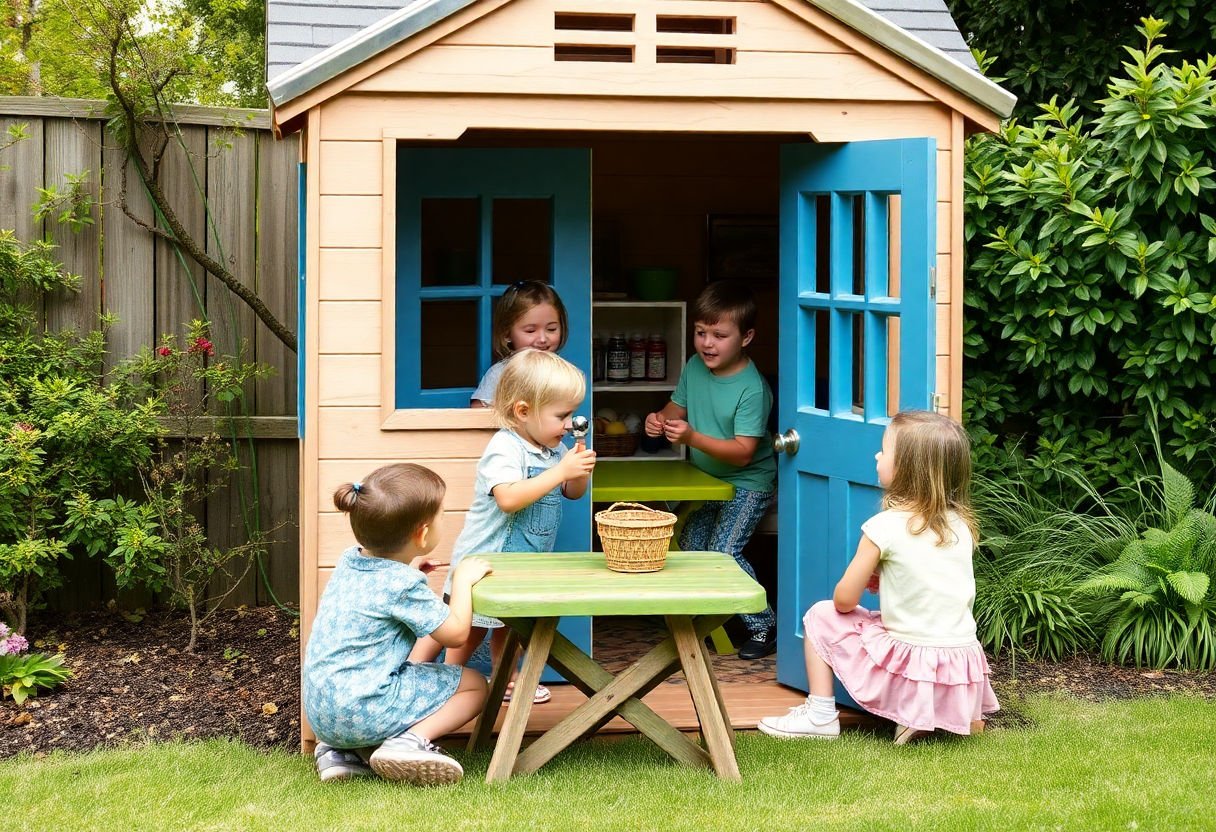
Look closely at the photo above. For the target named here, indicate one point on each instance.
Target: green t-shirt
(724, 407)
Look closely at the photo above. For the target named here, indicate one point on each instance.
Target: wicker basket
(616, 444)
(635, 537)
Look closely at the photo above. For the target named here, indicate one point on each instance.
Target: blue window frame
(470, 222)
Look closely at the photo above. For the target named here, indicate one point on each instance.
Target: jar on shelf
(599, 360)
(617, 358)
(637, 357)
(656, 358)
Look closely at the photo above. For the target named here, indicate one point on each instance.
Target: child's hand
(677, 431)
(425, 565)
(576, 464)
(872, 584)
(654, 424)
(472, 570)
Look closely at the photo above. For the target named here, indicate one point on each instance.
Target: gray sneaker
(338, 764)
(414, 760)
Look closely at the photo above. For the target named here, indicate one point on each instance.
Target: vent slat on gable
(587, 22)
(593, 53)
(702, 25)
(694, 55)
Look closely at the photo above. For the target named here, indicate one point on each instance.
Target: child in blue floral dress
(371, 708)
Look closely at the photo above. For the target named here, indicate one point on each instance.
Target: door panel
(857, 316)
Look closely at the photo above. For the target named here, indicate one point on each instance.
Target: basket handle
(634, 505)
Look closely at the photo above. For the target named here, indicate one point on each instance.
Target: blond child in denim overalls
(522, 477)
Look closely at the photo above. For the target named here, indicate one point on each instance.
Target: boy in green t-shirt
(720, 411)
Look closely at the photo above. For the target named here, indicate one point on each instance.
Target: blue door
(857, 344)
(470, 222)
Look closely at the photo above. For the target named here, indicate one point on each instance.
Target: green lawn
(1141, 764)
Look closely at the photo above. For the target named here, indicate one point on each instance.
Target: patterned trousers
(726, 526)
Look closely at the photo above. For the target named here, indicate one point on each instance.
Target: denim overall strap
(534, 528)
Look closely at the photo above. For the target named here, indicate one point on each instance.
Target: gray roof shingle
(298, 29)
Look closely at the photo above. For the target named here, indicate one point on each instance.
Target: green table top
(549, 584)
(673, 479)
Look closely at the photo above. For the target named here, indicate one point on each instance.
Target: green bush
(67, 432)
(1090, 279)
(1158, 598)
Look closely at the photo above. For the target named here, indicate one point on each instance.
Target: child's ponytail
(390, 504)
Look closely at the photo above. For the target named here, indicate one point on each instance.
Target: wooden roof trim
(423, 22)
(860, 41)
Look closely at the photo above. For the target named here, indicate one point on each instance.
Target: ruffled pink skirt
(926, 688)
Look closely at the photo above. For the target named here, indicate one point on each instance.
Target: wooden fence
(248, 179)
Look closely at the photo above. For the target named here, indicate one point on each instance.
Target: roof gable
(392, 27)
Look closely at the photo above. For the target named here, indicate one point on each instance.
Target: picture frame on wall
(742, 247)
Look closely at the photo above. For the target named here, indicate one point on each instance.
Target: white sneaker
(414, 760)
(797, 724)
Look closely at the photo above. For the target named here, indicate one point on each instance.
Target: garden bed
(133, 682)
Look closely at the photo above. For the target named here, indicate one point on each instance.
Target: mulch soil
(133, 681)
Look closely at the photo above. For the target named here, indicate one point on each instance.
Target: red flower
(24, 426)
(202, 345)
(164, 351)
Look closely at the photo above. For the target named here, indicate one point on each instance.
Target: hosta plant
(22, 673)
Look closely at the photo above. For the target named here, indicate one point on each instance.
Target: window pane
(449, 344)
(450, 242)
(522, 240)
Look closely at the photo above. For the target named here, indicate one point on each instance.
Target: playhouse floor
(750, 688)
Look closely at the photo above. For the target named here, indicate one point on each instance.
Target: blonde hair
(538, 378)
(517, 301)
(391, 504)
(932, 474)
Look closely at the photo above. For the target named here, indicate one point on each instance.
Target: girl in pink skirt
(916, 662)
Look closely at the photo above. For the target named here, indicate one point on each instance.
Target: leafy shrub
(1090, 278)
(156, 541)
(66, 433)
(22, 673)
(1157, 599)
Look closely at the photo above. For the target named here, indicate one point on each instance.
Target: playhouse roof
(310, 42)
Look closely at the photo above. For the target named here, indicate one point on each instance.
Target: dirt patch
(133, 682)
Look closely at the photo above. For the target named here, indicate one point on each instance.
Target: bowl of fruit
(616, 434)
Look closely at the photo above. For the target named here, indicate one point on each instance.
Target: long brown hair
(932, 473)
(514, 304)
(391, 504)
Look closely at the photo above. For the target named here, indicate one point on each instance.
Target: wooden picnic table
(695, 592)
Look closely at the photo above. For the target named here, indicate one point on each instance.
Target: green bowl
(655, 283)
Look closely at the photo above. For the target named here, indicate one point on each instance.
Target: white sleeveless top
(925, 590)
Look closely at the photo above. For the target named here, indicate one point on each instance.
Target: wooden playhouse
(811, 147)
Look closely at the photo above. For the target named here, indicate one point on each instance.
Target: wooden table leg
(503, 763)
(715, 727)
(713, 680)
(498, 686)
(609, 696)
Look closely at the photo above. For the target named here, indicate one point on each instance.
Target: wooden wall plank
(513, 70)
(349, 327)
(180, 283)
(277, 284)
(366, 117)
(350, 222)
(127, 260)
(350, 274)
(74, 148)
(349, 380)
(350, 168)
(21, 167)
(354, 433)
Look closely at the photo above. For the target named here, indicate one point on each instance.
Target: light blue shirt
(488, 386)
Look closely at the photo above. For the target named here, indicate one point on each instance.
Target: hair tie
(357, 487)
